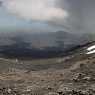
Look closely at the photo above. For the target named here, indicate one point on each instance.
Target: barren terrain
(70, 75)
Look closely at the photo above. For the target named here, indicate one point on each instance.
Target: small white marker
(16, 60)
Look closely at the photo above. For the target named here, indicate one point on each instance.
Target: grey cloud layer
(35, 9)
(73, 15)
(81, 15)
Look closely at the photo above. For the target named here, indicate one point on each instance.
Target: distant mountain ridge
(39, 45)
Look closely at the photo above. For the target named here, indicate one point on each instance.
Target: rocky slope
(71, 75)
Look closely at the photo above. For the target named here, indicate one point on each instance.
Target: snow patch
(91, 49)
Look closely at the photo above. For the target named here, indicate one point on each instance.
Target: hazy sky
(48, 15)
(10, 21)
(31, 14)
